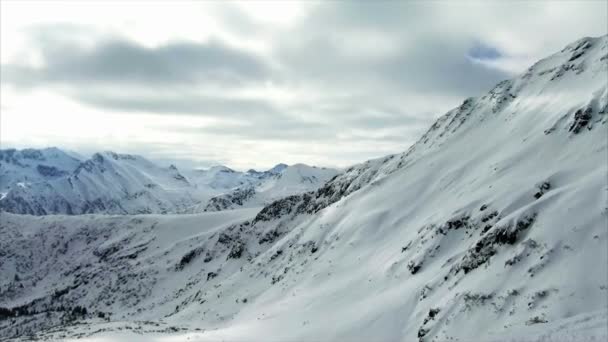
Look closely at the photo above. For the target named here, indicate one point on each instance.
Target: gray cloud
(440, 70)
(188, 104)
(118, 61)
(343, 124)
(278, 127)
(423, 57)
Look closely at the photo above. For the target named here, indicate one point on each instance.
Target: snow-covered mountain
(31, 165)
(492, 227)
(50, 181)
(278, 182)
(224, 178)
(220, 177)
(106, 183)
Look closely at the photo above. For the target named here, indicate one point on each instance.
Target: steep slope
(491, 227)
(465, 236)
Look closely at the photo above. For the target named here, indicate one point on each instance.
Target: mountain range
(52, 181)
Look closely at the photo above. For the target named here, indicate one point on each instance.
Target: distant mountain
(278, 182)
(51, 181)
(277, 169)
(108, 183)
(31, 165)
(222, 177)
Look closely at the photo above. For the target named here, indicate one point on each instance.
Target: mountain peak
(278, 168)
(582, 42)
(221, 168)
(120, 156)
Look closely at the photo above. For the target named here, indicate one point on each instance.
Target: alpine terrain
(50, 181)
(493, 226)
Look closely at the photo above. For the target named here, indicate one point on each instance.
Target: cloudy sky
(251, 84)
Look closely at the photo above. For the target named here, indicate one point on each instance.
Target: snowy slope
(223, 178)
(114, 264)
(271, 185)
(106, 183)
(219, 177)
(32, 165)
(492, 227)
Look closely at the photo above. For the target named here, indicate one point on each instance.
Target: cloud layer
(126, 62)
(323, 83)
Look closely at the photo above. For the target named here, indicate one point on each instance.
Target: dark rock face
(119, 156)
(542, 189)
(237, 197)
(279, 208)
(501, 95)
(421, 333)
(188, 258)
(181, 178)
(314, 201)
(414, 267)
(99, 205)
(96, 162)
(581, 120)
(14, 202)
(10, 156)
(458, 223)
(17, 204)
(580, 50)
(33, 154)
(489, 216)
(50, 171)
(237, 250)
(487, 246)
(270, 237)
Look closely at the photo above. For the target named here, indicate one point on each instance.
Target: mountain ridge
(112, 183)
